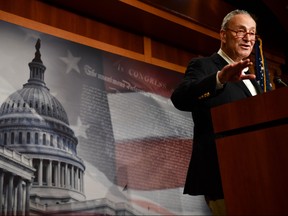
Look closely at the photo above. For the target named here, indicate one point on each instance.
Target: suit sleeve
(198, 84)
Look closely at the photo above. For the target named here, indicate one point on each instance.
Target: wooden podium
(252, 146)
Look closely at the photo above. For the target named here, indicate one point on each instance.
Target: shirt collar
(225, 56)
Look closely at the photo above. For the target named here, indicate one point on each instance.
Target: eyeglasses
(241, 33)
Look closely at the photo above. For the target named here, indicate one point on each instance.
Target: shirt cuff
(219, 85)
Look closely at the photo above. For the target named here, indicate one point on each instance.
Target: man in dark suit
(209, 82)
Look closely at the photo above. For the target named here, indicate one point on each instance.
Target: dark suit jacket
(197, 93)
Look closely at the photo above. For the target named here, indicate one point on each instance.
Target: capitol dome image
(34, 123)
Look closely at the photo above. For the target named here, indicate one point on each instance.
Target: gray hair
(230, 15)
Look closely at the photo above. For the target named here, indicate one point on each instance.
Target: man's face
(238, 39)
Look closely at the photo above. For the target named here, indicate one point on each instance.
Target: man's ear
(223, 36)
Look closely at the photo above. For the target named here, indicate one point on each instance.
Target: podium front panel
(254, 170)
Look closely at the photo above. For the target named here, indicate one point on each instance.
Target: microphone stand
(280, 81)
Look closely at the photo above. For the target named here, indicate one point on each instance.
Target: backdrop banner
(124, 148)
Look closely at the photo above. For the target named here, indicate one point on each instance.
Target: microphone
(279, 81)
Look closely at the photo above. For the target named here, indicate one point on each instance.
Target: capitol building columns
(1, 190)
(14, 194)
(27, 189)
(9, 195)
(19, 207)
(49, 174)
(58, 174)
(40, 172)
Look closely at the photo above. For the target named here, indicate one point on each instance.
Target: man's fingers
(248, 76)
(242, 64)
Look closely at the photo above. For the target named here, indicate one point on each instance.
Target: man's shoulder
(207, 58)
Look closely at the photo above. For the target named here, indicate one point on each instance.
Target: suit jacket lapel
(242, 85)
(219, 61)
(257, 87)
